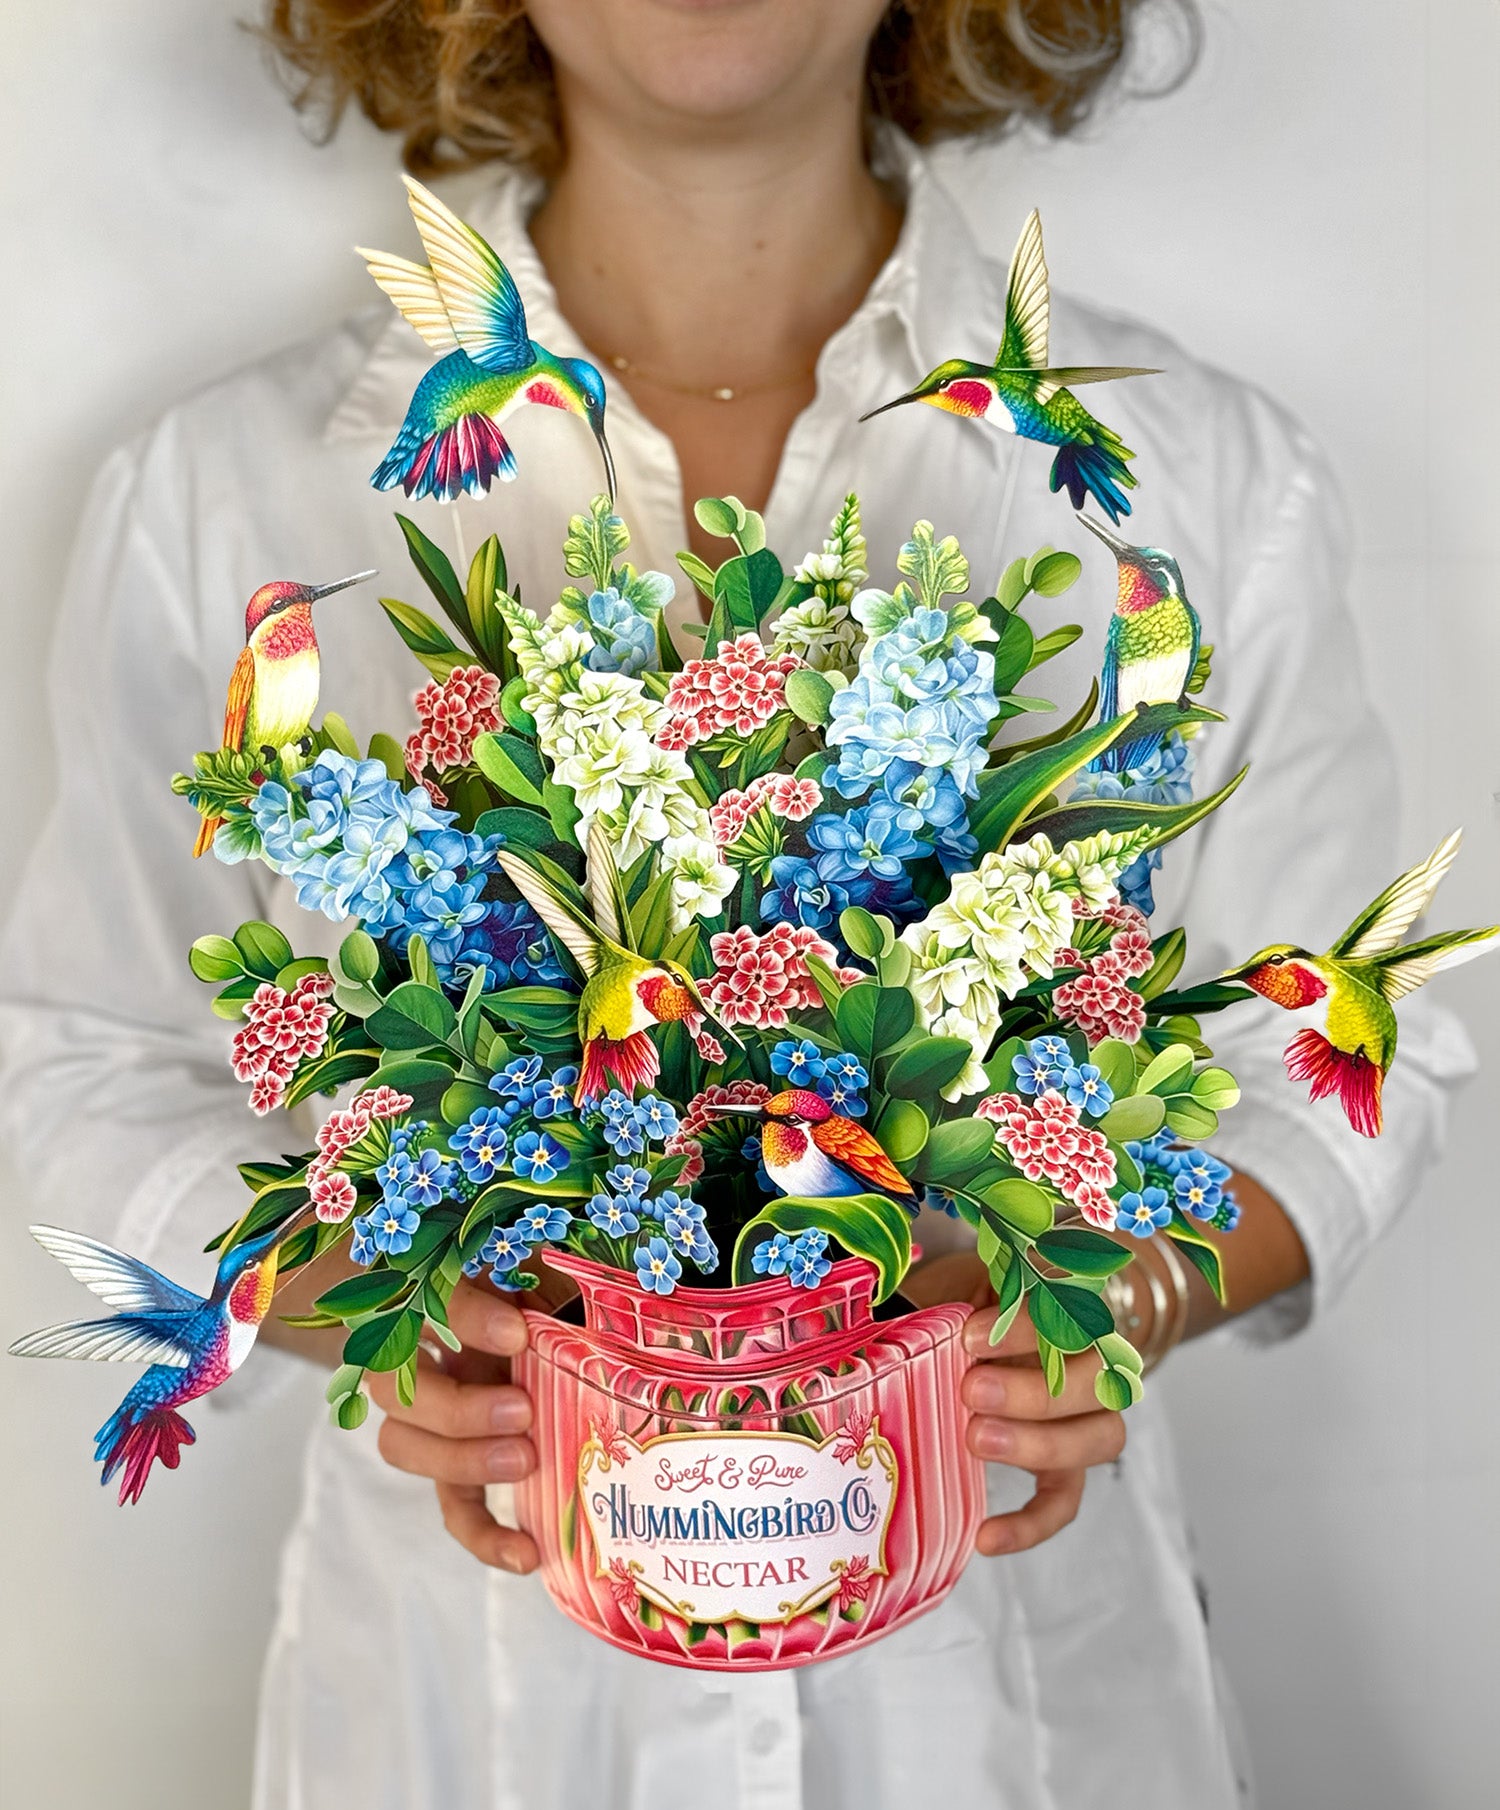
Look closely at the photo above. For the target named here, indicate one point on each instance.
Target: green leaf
(1053, 573)
(954, 1150)
(1010, 1291)
(744, 590)
(413, 1017)
(263, 949)
(1117, 1390)
(518, 825)
(808, 696)
(414, 1075)
(927, 1066)
(423, 969)
(562, 811)
(329, 1072)
(1213, 996)
(702, 575)
(548, 1010)
(866, 1225)
(830, 987)
(363, 1293)
(1168, 1072)
(1118, 1352)
(867, 935)
(1068, 1317)
(344, 1381)
(1167, 955)
(1012, 654)
(901, 1130)
(436, 650)
(1050, 646)
(230, 1001)
(464, 1098)
(1115, 1061)
(1009, 793)
(215, 958)
(724, 516)
(288, 977)
(1200, 1251)
(359, 957)
(512, 765)
(437, 572)
(1072, 822)
(337, 731)
(1133, 1119)
(871, 1019)
(351, 1411)
(1190, 1119)
(1216, 1089)
(391, 755)
(1081, 1252)
(1054, 1366)
(1021, 1204)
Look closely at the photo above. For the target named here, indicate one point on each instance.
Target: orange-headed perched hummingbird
(467, 306)
(1361, 977)
(624, 993)
(1023, 394)
(811, 1150)
(1152, 645)
(273, 690)
(192, 1343)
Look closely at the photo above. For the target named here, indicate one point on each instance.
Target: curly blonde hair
(468, 81)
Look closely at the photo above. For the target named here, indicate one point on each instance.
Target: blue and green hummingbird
(1152, 645)
(467, 306)
(1023, 394)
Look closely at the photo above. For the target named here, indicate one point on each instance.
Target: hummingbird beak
(741, 1107)
(609, 462)
(886, 407)
(1121, 549)
(314, 592)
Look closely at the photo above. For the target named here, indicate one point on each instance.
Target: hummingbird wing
(478, 293)
(123, 1281)
(852, 1146)
(119, 1339)
(1028, 305)
(237, 704)
(1402, 971)
(582, 939)
(1064, 377)
(1383, 923)
(413, 288)
(606, 891)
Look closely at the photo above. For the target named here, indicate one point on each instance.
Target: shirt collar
(935, 282)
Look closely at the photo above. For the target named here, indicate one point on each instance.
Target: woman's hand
(1013, 1420)
(467, 1425)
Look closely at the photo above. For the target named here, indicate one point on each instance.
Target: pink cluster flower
(449, 717)
(740, 689)
(1047, 1141)
(700, 1115)
(783, 795)
(330, 1190)
(679, 1144)
(1098, 1000)
(280, 1030)
(761, 980)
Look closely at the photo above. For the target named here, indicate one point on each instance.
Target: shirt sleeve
(116, 1095)
(1307, 841)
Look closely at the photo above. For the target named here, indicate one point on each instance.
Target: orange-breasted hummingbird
(1023, 394)
(466, 305)
(810, 1149)
(273, 690)
(1361, 977)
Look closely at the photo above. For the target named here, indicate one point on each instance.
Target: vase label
(751, 1527)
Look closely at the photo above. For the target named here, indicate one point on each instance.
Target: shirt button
(764, 1738)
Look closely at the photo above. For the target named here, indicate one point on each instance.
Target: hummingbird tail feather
(207, 830)
(1098, 468)
(1354, 1078)
(135, 1441)
(468, 455)
(631, 1063)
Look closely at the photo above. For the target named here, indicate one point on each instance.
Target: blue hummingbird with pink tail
(191, 1342)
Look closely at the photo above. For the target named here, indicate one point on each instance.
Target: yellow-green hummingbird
(624, 992)
(1362, 976)
(1023, 394)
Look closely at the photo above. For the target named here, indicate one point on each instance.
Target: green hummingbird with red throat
(1022, 393)
(273, 690)
(1361, 978)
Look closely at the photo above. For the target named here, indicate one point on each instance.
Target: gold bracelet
(1169, 1311)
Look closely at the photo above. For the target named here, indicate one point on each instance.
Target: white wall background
(1316, 210)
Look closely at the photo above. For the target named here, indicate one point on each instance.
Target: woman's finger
(1057, 1445)
(1054, 1505)
(472, 1461)
(452, 1407)
(1019, 1391)
(470, 1522)
(482, 1319)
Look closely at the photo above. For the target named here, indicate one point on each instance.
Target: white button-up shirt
(1075, 1675)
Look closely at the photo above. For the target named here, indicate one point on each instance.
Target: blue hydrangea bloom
(536, 1157)
(799, 894)
(1164, 777)
(869, 842)
(1087, 1089)
(1144, 1212)
(480, 1143)
(624, 639)
(656, 1269)
(799, 1060)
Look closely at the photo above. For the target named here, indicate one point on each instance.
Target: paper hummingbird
(1022, 393)
(273, 690)
(466, 305)
(1152, 644)
(811, 1150)
(192, 1343)
(1361, 977)
(624, 994)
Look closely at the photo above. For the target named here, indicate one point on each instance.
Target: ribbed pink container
(747, 1478)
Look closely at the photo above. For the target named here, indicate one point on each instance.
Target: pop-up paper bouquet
(697, 973)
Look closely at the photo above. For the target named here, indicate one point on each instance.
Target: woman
(704, 201)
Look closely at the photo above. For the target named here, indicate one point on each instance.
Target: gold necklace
(719, 393)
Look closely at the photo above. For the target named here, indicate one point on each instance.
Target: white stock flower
(821, 634)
